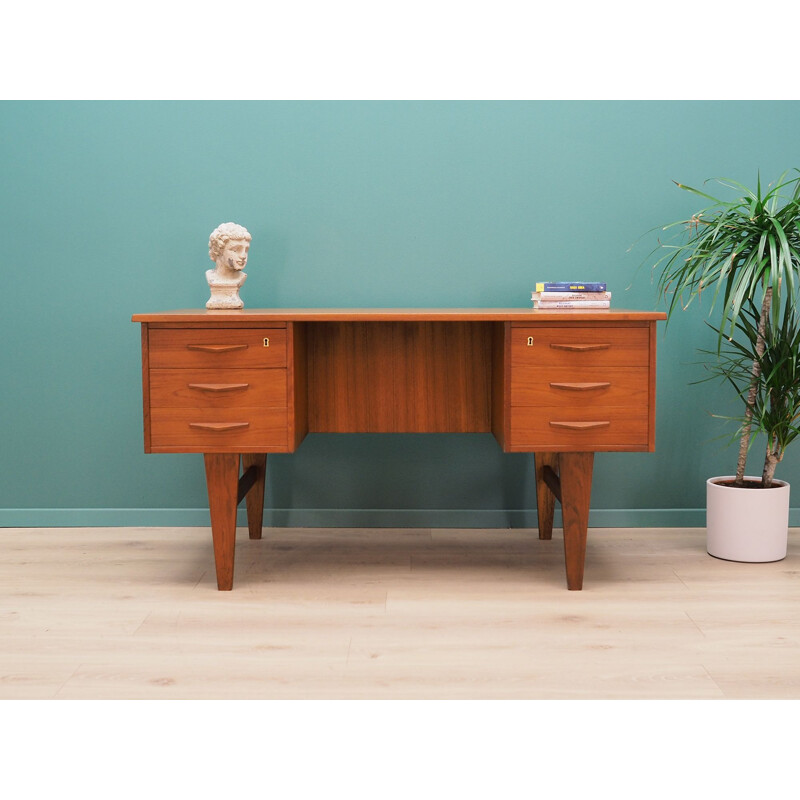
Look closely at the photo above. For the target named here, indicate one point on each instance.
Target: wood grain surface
(618, 387)
(222, 478)
(255, 316)
(215, 388)
(189, 430)
(579, 346)
(213, 348)
(134, 613)
(399, 377)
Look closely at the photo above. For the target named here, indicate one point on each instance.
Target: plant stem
(755, 374)
(774, 456)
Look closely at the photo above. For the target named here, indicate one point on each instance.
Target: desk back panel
(399, 377)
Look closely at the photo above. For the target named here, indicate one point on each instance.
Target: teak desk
(240, 384)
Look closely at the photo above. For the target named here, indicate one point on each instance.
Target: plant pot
(747, 524)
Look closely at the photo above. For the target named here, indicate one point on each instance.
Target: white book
(544, 304)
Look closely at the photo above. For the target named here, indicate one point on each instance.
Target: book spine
(561, 296)
(569, 286)
(572, 304)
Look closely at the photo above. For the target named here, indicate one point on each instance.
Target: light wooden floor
(373, 613)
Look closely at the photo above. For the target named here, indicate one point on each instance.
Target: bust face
(234, 255)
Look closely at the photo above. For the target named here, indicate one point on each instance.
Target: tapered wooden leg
(545, 499)
(576, 489)
(222, 479)
(255, 497)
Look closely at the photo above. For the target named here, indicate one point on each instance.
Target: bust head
(228, 247)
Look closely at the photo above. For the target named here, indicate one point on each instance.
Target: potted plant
(745, 254)
(743, 525)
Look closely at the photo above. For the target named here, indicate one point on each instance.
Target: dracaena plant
(774, 407)
(739, 253)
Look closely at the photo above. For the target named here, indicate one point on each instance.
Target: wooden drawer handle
(580, 426)
(579, 348)
(216, 348)
(581, 387)
(219, 426)
(218, 387)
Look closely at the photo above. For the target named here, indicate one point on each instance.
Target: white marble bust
(228, 247)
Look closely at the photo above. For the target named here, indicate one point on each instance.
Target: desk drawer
(209, 429)
(213, 348)
(579, 428)
(601, 345)
(217, 388)
(597, 387)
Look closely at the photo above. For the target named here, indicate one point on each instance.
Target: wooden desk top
(266, 315)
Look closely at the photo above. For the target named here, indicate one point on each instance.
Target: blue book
(570, 286)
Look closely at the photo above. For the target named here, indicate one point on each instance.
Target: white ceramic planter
(747, 524)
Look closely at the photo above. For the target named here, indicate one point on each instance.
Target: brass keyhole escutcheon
(530, 341)
(266, 342)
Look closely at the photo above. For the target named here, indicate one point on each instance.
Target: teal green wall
(106, 208)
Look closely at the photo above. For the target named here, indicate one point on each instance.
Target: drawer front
(579, 428)
(210, 429)
(217, 388)
(595, 387)
(214, 348)
(602, 345)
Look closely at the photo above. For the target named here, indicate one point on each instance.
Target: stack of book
(571, 294)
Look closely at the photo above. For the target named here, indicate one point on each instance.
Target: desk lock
(530, 341)
(266, 341)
